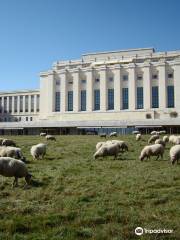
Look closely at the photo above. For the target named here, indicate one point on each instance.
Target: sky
(36, 33)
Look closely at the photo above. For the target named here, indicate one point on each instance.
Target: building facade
(137, 87)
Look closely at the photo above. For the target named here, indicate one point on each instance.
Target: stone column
(117, 88)
(162, 85)
(147, 86)
(177, 85)
(76, 92)
(24, 104)
(18, 104)
(35, 103)
(132, 87)
(89, 90)
(2, 105)
(103, 89)
(12, 104)
(29, 104)
(7, 104)
(63, 90)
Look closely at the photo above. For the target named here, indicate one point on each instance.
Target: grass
(75, 197)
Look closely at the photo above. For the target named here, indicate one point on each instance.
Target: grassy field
(74, 196)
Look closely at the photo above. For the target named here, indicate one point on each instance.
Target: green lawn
(74, 196)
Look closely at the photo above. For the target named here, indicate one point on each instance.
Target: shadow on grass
(36, 183)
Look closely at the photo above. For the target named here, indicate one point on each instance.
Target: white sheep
(153, 138)
(10, 167)
(42, 134)
(122, 144)
(152, 150)
(154, 133)
(174, 139)
(99, 144)
(162, 132)
(8, 142)
(166, 139)
(160, 141)
(138, 137)
(102, 135)
(107, 150)
(50, 137)
(13, 152)
(135, 132)
(113, 134)
(38, 151)
(174, 153)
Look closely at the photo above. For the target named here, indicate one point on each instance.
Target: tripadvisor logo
(139, 231)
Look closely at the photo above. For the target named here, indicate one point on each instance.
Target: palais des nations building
(101, 92)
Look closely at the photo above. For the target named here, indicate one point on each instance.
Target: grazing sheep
(160, 141)
(42, 134)
(8, 142)
(153, 138)
(122, 144)
(174, 154)
(107, 150)
(13, 152)
(162, 132)
(138, 137)
(38, 151)
(113, 134)
(10, 167)
(174, 139)
(99, 144)
(135, 132)
(50, 137)
(166, 139)
(102, 135)
(153, 133)
(152, 150)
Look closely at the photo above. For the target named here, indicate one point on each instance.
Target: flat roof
(19, 91)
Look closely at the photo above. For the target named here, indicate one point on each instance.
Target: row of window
(8, 109)
(125, 99)
(10, 119)
(124, 78)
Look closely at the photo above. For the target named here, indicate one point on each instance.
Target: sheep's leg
(15, 182)
(157, 157)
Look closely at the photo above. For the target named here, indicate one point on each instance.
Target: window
(83, 100)
(26, 119)
(32, 103)
(57, 82)
(83, 81)
(125, 77)
(139, 77)
(70, 82)
(139, 97)
(15, 104)
(31, 118)
(38, 103)
(19, 119)
(97, 99)
(125, 100)
(170, 75)
(97, 80)
(111, 79)
(57, 102)
(26, 103)
(170, 96)
(10, 104)
(110, 99)
(154, 76)
(70, 101)
(21, 104)
(155, 97)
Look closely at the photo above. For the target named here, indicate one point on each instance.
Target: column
(7, 104)
(132, 87)
(2, 105)
(50, 92)
(63, 77)
(29, 104)
(76, 93)
(177, 85)
(18, 104)
(89, 90)
(162, 85)
(24, 104)
(117, 88)
(147, 86)
(103, 89)
(12, 104)
(35, 103)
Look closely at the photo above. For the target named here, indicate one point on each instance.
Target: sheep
(153, 133)
(107, 150)
(162, 132)
(135, 132)
(160, 141)
(1, 140)
(166, 139)
(102, 135)
(138, 137)
(122, 144)
(11, 152)
(50, 137)
(99, 144)
(174, 139)
(42, 134)
(174, 154)
(8, 142)
(152, 150)
(153, 138)
(10, 167)
(38, 151)
(113, 134)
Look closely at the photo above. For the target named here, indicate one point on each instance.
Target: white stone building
(120, 89)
